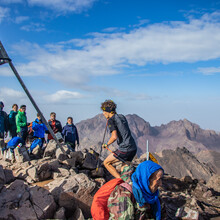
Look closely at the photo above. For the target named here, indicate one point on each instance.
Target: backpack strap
(127, 186)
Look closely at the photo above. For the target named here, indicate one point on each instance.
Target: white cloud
(20, 19)
(209, 70)
(63, 5)
(63, 96)
(33, 27)
(76, 61)
(4, 13)
(11, 93)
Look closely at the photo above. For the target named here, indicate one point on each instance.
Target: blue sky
(157, 59)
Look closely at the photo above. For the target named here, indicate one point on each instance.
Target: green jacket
(21, 120)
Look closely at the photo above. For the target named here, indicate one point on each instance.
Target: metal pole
(7, 59)
(147, 151)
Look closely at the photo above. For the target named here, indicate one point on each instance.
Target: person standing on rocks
(21, 123)
(12, 121)
(120, 131)
(70, 134)
(3, 125)
(55, 125)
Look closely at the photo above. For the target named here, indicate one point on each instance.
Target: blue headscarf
(140, 187)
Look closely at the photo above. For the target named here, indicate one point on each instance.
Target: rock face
(62, 186)
(181, 162)
(175, 134)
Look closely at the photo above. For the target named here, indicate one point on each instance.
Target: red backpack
(99, 209)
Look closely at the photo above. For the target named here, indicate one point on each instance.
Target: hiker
(70, 134)
(143, 201)
(133, 196)
(3, 125)
(14, 142)
(12, 121)
(120, 131)
(21, 123)
(55, 125)
(39, 129)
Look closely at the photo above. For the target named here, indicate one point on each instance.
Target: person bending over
(120, 131)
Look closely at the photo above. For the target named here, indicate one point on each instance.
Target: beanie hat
(23, 106)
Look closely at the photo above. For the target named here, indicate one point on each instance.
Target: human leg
(108, 165)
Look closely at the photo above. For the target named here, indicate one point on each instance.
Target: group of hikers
(20, 130)
(133, 193)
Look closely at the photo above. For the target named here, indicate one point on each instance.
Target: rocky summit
(61, 185)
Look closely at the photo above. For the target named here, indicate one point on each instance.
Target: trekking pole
(147, 151)
(102, 144)
(5, 59)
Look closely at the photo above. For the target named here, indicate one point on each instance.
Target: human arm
(112, 139)
(77, 137)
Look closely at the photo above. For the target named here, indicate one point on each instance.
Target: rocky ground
(62, 186)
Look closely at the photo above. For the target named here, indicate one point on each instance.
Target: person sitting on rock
(55, 125)
(12, 121)
(120, 131)
(70, 134)
(39, 129)
(143, 200)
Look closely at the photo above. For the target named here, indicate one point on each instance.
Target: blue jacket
(70, 133)
(39, 129)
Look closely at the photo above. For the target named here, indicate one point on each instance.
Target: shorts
(126, 156)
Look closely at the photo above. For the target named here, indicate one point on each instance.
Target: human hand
(6, 134)
(105, 145)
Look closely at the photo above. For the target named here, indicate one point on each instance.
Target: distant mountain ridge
(182, 133)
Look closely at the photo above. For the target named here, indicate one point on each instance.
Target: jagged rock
(208, 194)
(68, 201)
(54, 164)
(78, 215)
(78, 155)
(2, 176)
(60, 213)
(60, 155)
(32, 172)
(14, 202)
(214, 183)
(71, 162)
(44, 171)
(43, 203)
(37, 152)
(9, 177)
(21, 154)
(188, 179)
(90, 162)
(187, 213)
(64, 172)
(50, 150)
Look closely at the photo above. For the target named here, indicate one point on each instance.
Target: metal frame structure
(4, 58)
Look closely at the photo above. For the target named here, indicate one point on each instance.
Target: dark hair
(70, 118)
(38, 115)
(14, 105)
(23, 106)
(52, 113)
(109, 106)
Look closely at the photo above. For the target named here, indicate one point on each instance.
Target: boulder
(43, 203)
(60, 155)
(78, 215)
(187, 213)
(90, 162)
(21, 154)
(9, 177)
(2, 176)
(214, 183)
(37, 152)
(50, 150)
(64, 172)
(60, 213)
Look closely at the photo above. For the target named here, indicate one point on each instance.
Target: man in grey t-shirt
(120, 131)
